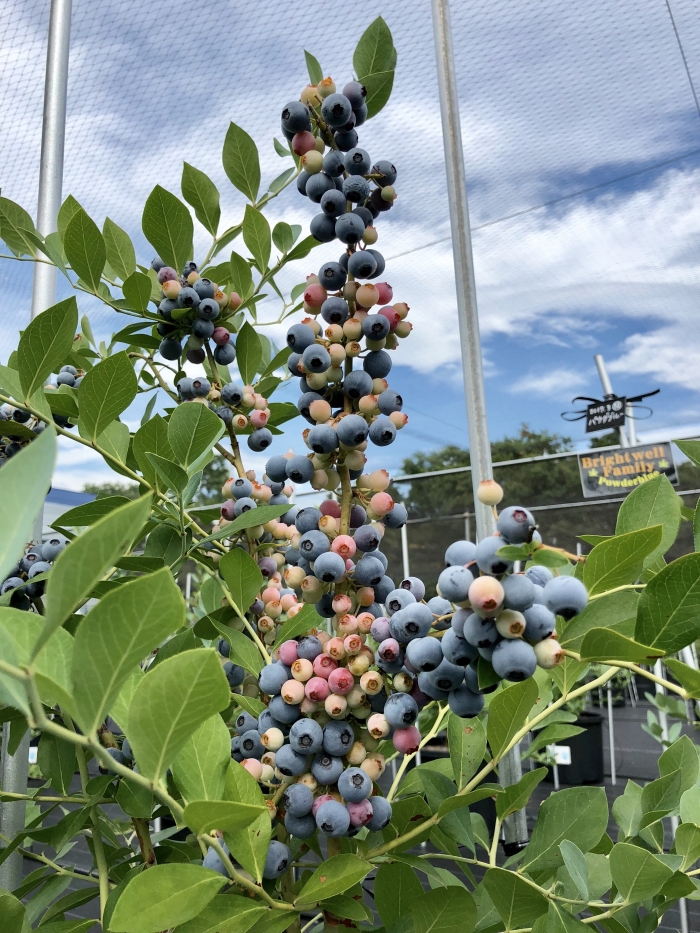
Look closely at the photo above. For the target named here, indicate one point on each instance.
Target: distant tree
(103, 490)
(214, 476)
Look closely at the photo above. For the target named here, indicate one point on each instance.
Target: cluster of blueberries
(190, 307)
(239, 406)
(20, 581)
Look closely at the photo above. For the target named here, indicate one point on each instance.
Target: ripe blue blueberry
(170, 348)
(414, 621)
(277, 860)
(322, 228)
(424, 654)
(284, 712)
(317, 186)
(302, 178)
(202, 328)
(338, 738)
(513, 659)
(188, 298)
(398, 599)
(566, 596)
(336, 110)
(357, 383)
(303, 827)
(289, 761)
(385, 171)
(446, 675)
(211, 860)
(382, 432)
(267, 721)
(316, 359)
(352, 430)
(313, 544)
(299, 337)
(375, 326)
(381, 264)
(335, 310)
(385, 586)
(307, 519)
(427, 686)
(540, 622)
(368, 571)
(300, 469)
(397, 517)
(356, 93)
(354, 784)
(367, 539)
(295, 117)
(457, 650)
(464, 703)
(205, 288)
(329, 568)
(201, 387)
(207, 308)
(454, 583)
(539, 575)
(241, 488)
(361, 264)
(332, 818)
(349, 228)
(357, 162)
(232, 394)
(334, 203)
(234, 674)
(481, 633)
(519, 592)
(334, 163)
(516, 524)
(487, 558)
(244, 504)
(356, 189)
(309, 647)
(184, 387)
(389, 401)
(401, 710)
(345, 141)
(245, 722)
(377, 363)
(272, 678)
(251, 746)
(225, 355)
(298, 799)
(322, 439)
(332, 276)
(326, 768)
(381, 814)
(460, 552)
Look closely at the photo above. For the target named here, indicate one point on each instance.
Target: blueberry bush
(232, 762)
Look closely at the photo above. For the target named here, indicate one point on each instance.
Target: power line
(564, 197)
(685, 60)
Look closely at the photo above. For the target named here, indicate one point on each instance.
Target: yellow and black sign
(617, 472)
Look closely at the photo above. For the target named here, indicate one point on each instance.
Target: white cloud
(552, 382)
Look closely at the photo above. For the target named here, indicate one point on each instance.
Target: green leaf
(152, 437)
(508, 712)
(137, 291)
(552, 735)
(660, 797)
(579, 814)
(105, 392)
(668, 615)
(599, 613)
(280, 149)
(227, 913)
(242, 576)
(636, 873)
(241, 276)
(172, 475)
(229, 816)
(444, 910)
(18, 633)
(120, 250)
(688, 844)
(163, 897)
(168, 227)
(687, 677)
(466, 739)
(691, 449)
(307, 619)
(200, 769)
(566, 674)
(9, 381)
(374, 62)
(121, 630)
(465, 800)
(134, 799)
(85, 248)
(78, 568)
(17, 228)
(252, 841)
(256, 236)
(114, 441)
(56, 760)
(250, 705)
(681, 756)
(243, 650)
(170, 704)
(559, 920)
(313, 67)
(24, 481)
(654, 503)
(202, 194)
(302, 249)
(248, 353)
(576, 865)
(241, 163)
(396, 889)
(282, 236)
(553, 559)
(601, 644)
(334, 876)
(45, 343)
(619, 560)
(518, 903)
(192, 431)
(517, 795)
(277, 184)
(69, 207)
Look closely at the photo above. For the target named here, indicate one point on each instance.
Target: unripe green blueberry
(272, 739)
(374, 765)
(312, 162)
(489, 492)
(357, 754)
(549, 653)
(510, 623)
(370, 236)
(376, 344)
(310, 96)
(378, 726)
(389, 193)
(367, 295)
(326, 87)
(403, 329)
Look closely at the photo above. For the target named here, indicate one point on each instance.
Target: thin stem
(311, 922)
(630, 666)
(346, 498)
(143, 835)
(100, 860)
(241, 879)
(45, 860)
(494, 844)
(617, 589)
(236, 451)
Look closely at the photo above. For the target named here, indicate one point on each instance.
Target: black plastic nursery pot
(587, 762)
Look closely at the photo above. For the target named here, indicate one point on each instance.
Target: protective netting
(581, 134)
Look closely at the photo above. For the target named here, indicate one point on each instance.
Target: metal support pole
(663, 722)
(15, 768)
(611, 739)
(404, 552)
(510, 769)
(608, 391)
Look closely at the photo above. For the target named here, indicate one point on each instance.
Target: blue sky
(555, 98)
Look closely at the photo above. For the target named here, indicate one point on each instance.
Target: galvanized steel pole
(14, 769)
(510, 770)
